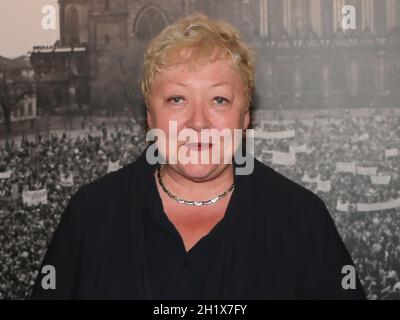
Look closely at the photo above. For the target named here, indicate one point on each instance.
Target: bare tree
(11, 94)
(119, 70)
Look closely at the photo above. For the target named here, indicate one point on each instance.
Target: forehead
(218, 71)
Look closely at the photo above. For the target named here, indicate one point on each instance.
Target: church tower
(74, 22)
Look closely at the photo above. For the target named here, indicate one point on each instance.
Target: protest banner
(308, 179)
(342, 206)
(391, 152)
(274, 135)
(5, 174)
(349, 167)
(283, 158)
(367, 171)
(380, 179)
(113, 166)
(34, 197)
(323, 186)
(363, 137)
(298, 149)
(368, 207)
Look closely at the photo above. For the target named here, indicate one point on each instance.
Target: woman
(197, 229)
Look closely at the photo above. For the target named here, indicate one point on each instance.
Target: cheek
(161, 119)
(161, 122)
(171, 125)
(230, 121)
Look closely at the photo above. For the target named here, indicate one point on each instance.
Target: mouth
(198, 146)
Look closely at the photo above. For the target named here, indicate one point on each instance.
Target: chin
(199, 171)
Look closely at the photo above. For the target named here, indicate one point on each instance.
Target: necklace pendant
(214, 200)
(192, 203)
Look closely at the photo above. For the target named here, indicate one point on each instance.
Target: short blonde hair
(204, 36)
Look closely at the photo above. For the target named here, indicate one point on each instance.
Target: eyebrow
(219, 84)
(213, 86)
(178, 83)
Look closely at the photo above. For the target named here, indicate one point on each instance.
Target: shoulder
(288, 193)
(302, 230)
(107, 185)
(117, 182)
(296, 212)
(109, 194)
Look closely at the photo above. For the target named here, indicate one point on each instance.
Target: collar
(145, 177)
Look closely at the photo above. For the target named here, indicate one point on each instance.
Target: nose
(198, 118)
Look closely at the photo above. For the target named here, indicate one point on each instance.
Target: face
(209, 97)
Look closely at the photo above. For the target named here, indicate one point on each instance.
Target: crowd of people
(372, 238)
(39, 162)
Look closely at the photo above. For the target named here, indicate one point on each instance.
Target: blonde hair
(206, 38)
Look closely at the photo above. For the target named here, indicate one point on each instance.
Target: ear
(149, 118)
(246, 121)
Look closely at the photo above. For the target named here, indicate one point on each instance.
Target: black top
(276, 240)
(173, 272)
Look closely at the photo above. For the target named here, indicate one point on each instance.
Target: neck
(198, 190)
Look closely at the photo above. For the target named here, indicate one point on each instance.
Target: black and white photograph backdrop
(326, 113)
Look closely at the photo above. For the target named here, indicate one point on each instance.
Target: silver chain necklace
(192, 203)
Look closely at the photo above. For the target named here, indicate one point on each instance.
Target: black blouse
(173, 272)
(277, 240)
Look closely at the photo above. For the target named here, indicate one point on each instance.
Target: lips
(198, 146)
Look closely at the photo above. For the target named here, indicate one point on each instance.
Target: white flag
(113, 166)
(367, 171)
(346, 167)
(298, 149)
(367, 207)
(5, 174)
(283, 158)
(136, 129)
(391, 152)
(265, 149)
(264, 123)
(308, 179)
(34, 197)
(324, 186)
(274, 135)
(363, 137)
(342, 206)
(380, 179)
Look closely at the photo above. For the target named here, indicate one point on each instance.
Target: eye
(175, 99)
(221, 100)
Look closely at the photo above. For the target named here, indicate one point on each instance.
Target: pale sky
(21, 26)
